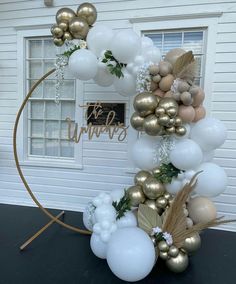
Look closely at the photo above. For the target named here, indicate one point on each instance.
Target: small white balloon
(125, 86)
(186, 155)
(152, 54)
(174, 187)
(125, 46)
(103, 77)
(98, 247)
(105, 212)
(212, 181)
(83, 64)
(144, 152)
(128, 220)
(99, 38)
(105, 236)
(210, 133)
(146, 42)
(130, 254)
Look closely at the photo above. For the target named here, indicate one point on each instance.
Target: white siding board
(105, 161)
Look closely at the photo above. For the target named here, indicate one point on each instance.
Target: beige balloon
(145, 103)
(78, 28)
(88, 12)
(165, 68)
(166, 82)
(151, 125)
(140, 177)
(152, 188)
(187, 113)
(179, 263)
(201, 209)
(173, 55)
(136, 195)
(65, 15)
(192, 243)
(136, 121)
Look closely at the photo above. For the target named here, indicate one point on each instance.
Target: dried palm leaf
(182, 62)
(189, 72)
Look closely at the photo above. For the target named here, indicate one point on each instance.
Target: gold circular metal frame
(44, 210)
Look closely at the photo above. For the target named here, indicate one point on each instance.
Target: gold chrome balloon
(159, 111)
(179, 263)
(168, 103)
(156, 171)
(178, 121)
(170, 130)
(52, 28)
(163, 255)
(173, 251)
(78, 28)
(88, 12)
(151, 125)
(161, 202)
(192, 243)
(172, 111)
(65, 15)
(151, 203)
(145, 103)
(67, 36)
(58, 41)
(64, 26)
(163, 246)
(57, 32)
(153, 188)
(140, 177)
(136, 195)
(167, 195)
(180, 130)
(137, 121)
(164, 120)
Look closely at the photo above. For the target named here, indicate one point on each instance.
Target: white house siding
(104, 164)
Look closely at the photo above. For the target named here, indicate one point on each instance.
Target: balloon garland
(162, 214)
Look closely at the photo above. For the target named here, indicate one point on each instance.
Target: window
(47, 126)
(186, 39)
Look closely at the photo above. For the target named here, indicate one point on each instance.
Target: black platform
(60, 256)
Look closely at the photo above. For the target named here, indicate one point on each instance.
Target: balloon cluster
(73, 25)
(156, 115)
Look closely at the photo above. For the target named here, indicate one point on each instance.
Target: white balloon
(98, 247)
(125, 86)
(146, 42)
(130, 67)
(139, 60)
(125, 46)
(208, 156)
(144, 152)
(99, 38)
(103, 77)
(174, 187)
(130, 254)
(83, 64)
(152, 54)
(105, 212)
(210, 133)
(212, 181)
(128, 220)
(186, 155)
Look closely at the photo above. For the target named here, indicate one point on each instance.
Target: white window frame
(207, 21)
(22, 138)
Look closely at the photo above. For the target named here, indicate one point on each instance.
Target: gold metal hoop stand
(44, 210)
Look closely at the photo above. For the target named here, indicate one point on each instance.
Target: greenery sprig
(114, 66)
(166, 173)
(122, 206)
(69, 52)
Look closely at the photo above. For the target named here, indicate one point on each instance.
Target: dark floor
(63, 257)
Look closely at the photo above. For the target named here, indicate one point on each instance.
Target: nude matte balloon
(200, 113)
(201, 209)
(187, 113)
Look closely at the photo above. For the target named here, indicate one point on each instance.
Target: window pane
(68, 110)
(67, 149)
(68, 89)
(49, 49)
(37, 128)
(52, 147)
(49, 89)
(64, 129)
(52, 129)
(36, 146)
(157, 39)
(171, 40)
(37, 110)
(52, 110)
(35, 69)
(193, 41)
(35, 49)
(48, 65)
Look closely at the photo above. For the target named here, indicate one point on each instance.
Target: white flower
(168, 238)
(156, 230)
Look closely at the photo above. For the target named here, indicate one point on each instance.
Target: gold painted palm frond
(185, 66)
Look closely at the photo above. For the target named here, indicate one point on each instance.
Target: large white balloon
(210, 133)
(186, 155)
(103, 77)
(125, 86)
(130, 254)
(125, 46)
(83, 64)
(152, 54)
(146, 42)
(128, 220)
(212, 181)
(99, 38)
(145, 152)
(174, 187)
(98, 247)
